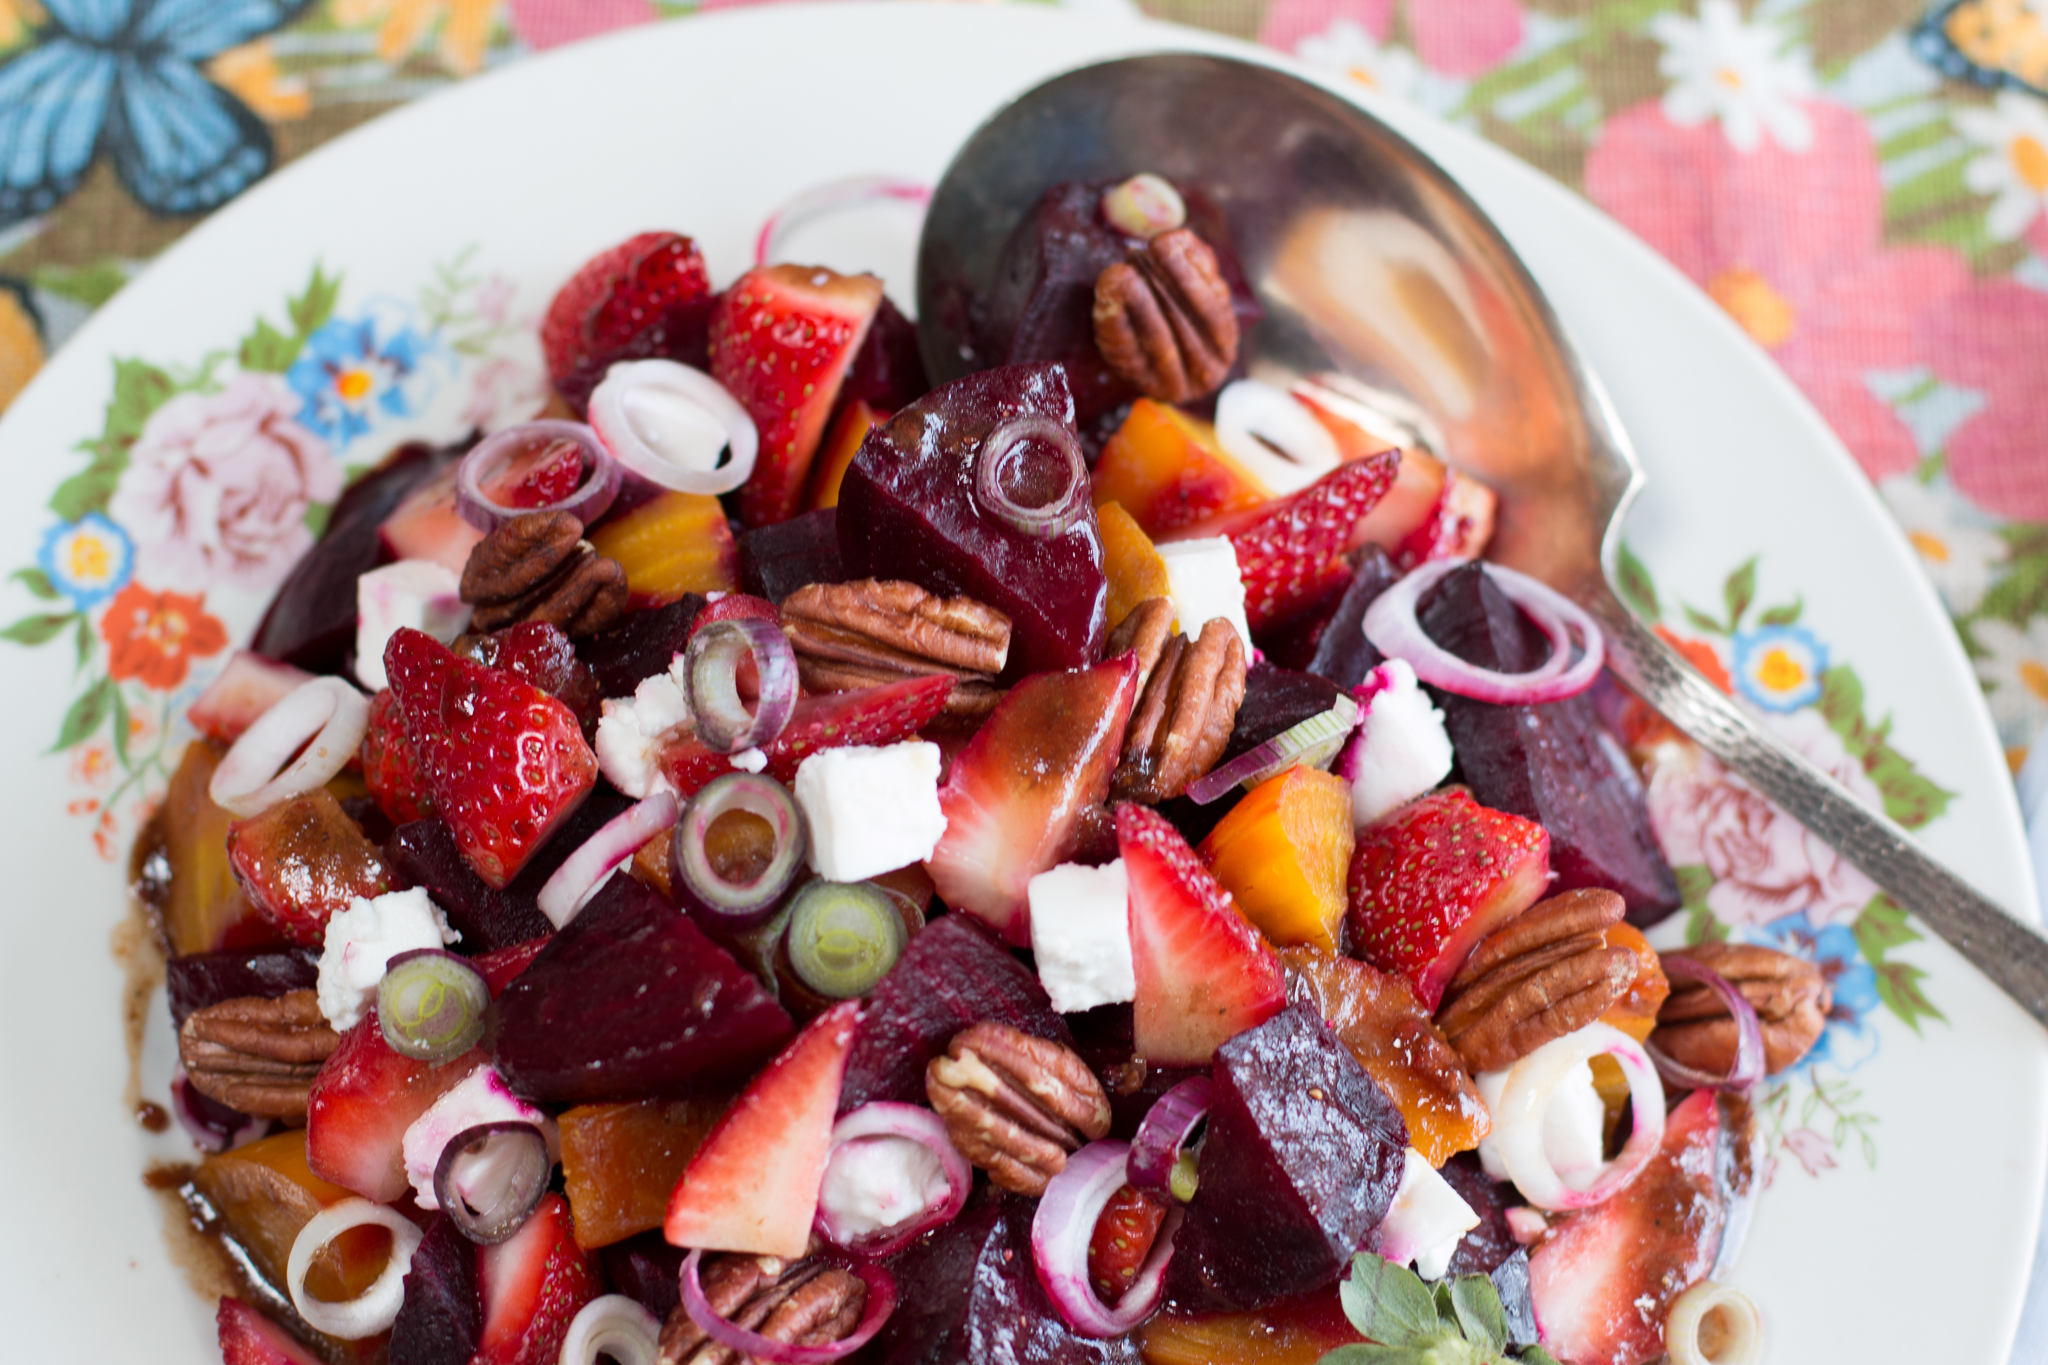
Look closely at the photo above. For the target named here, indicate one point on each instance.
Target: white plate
(705, 126)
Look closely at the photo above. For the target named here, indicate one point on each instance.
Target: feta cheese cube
(629, 733)
(1401, 750)
(870, 810)
(362, 940)
(419, 593)
(1202, 579)
(1426, 1221)
(480, 1097)
(1081, 935)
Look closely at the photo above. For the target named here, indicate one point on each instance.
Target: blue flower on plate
(1779, 667)
(353, 370)
(1850, 1039)
(87, 560)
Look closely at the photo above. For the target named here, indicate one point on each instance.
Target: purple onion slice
(1748, 1067)
(1314, 741)
(1062, 1229)
(1038, 497)
(1391, 625)
(496, 458)
(585, 870)
(1156, 1147)
(862, 1134)
(711, 668)
(491, 1177)
(834, 196)
(737, 905)
(881, 1302)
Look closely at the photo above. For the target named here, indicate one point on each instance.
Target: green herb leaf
(1636, 585)
(1477, 1304)
(1535, 1355)
(1366, 1353)
(36, 630)
(86, 715)
(1738, 592)
(1389, 1303)
(37, 582)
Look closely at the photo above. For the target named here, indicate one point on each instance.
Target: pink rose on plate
(218, 484)
(1765, 865)
(1814, 1151)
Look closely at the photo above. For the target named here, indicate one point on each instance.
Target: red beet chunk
(777, 560)
(909, 511)
(200, 979)
(1489, 1244)
(1303, 1156)
(629, 1002)
(647, 1269)
(1556, 764)
(442, 1318)
(642, 645)
(887, 371)
(1343, 654)
(952, 974)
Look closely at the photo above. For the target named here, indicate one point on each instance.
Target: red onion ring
(882, 1120)
(515, 1170)
(1748, 1067)
(1519, 1116)
(1392, 627)
(737, 905)
(1058, 513)
(593, 495)
(1164, 1132)
(647, 413)
(585, 870)
(711, 673)
(1065, 1224)
(881, 1303)
(295, 746)
(831, 198)
(1314, 741)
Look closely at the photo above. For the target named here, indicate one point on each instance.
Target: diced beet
(777, 560)
(1105, 1037)
(952, 974)
(647, 1269)
(1343, 654)
(887, 371)
(1489, 1244)
(501, 966)
(311, 622)
(968, 1294)
(1556, 764)
(1291, 643)
(442, 1318)
(1511, 1281)
(642, 645)
(629, 1002)
(424, 853)
(1303, 1155)
(200, 979)
(1275, 701)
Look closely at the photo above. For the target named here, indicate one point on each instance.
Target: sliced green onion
(1313, 742)
(431, 1005)
(843, 936)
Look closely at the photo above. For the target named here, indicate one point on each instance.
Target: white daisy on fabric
(1957, 556)
(2013, 166)
(2014, 671)
(1347, 47)
(1722, 68)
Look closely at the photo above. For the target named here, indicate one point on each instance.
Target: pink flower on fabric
(1765, 864)
(550, 23)
(218, 484)
(1456, 37)
(1788, 243)
(1994, 338)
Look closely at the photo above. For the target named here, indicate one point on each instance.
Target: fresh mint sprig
(1454, 1322)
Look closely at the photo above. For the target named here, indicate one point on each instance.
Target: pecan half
(874, 631)
(1015, 1105)
(797, 1303)
(257, 1056)
(1544, 974)
(1184, 716)
(1163, 319)
(1146, 629)
(538, 567)
(1789, 994)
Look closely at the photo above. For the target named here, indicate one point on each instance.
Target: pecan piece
(875, 631)
(1184, 716)
(1545, 973)
(797, 1303)
(1146, 629)
(258, 1056)
(538, 567)
(1015, 1105)
(1163, 319)
(1789, 994)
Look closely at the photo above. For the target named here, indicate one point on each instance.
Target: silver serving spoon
(1383, 282)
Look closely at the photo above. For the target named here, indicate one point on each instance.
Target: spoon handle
(2012, 954)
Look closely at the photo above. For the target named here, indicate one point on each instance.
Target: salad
(776, 861)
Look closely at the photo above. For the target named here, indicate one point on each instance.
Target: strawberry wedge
(868, 715)
(533, 1286)
(249, 1338)
(782, 339)
(363, 1099)
(1204, 975)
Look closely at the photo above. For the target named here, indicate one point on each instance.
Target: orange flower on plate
(153, 637)
(1700, 655)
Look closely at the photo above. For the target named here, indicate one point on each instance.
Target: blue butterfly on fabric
(1987, 42)
(123, 77)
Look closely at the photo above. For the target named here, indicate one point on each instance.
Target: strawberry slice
(505, 761)
(735, 606)
(782, 340)
(542, 655)
(1124, 1233)
(242, 691)
(753, 1185)
(1290, 552)
(249, 1338)
(1204, 975)
(648, 296)
(363, 1099)
(390, 768)
(869, 715)
(1015, 796)
(533, 1284)
(1435, 877)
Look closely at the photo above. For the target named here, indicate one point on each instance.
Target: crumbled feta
(1202, 580)
(1426, 1221)
(880, 1182)
(630, 731)
(750, 760)
(363, 939)
(478, 1098)
(1401, 750)
(1081, 935)
(419, 593)
(869, 809)
(1574, 1127)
